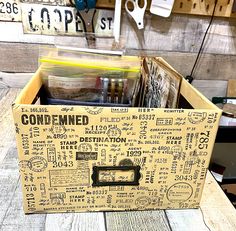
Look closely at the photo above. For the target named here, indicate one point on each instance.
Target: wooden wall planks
(210, 88)
(177, 39)
(184, 34)
(19, 57)
(177, 33)
(210, 66)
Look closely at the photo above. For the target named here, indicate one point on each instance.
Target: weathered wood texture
(211, 88)
(177, 33)
(75, 221)
(14, 217)
(13, 80)
(18, 57)
(137, 221)
(216, 212)
(3, 92)
(184, 219)
(177, 39)
(184, 34)
(210, 66)
(7, 133)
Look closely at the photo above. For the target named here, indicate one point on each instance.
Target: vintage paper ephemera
(84, 158)
(162, 87)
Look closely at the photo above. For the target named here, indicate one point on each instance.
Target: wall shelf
(194, 7)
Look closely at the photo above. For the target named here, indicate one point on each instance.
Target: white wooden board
(183, 219)
(55, 20)
(18, 80)
(10, 10)
(137, 221)
(75, 221)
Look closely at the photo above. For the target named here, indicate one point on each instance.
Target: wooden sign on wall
(55, 20)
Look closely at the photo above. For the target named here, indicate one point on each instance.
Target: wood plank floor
(216, 212)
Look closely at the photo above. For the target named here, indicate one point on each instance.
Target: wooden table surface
(216, 211)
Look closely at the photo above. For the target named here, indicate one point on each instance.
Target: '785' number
(204, 139)
(7, 7)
